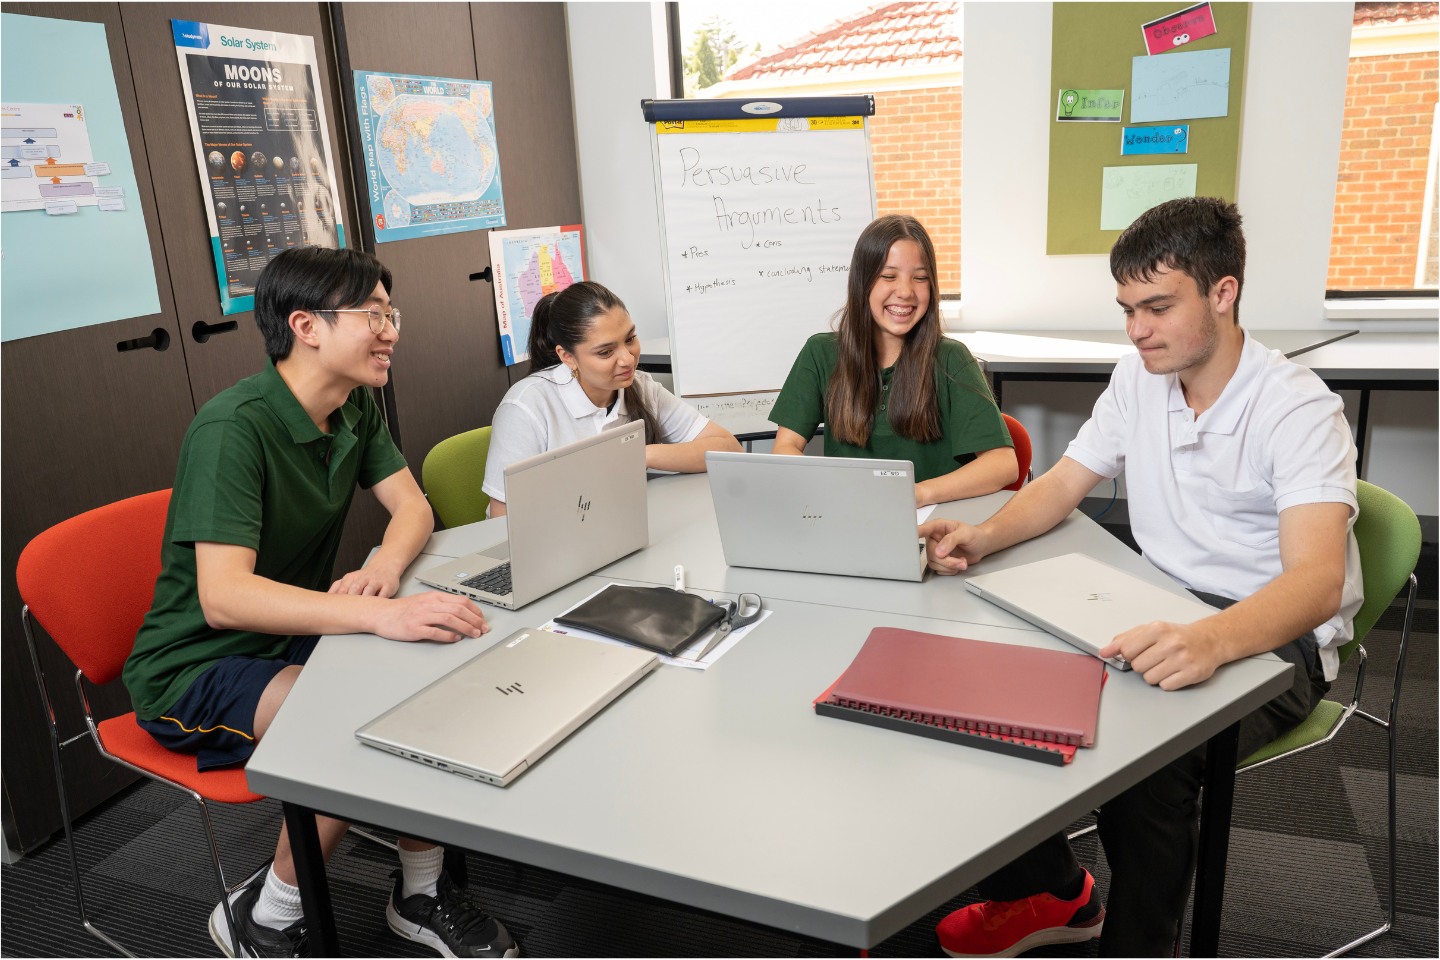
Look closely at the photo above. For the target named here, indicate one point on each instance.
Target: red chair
(1021, 438)
(89, 581)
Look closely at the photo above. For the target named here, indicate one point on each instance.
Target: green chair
(452, 473)
(1389, 538)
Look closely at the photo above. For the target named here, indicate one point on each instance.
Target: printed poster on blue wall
(262, 145)
(431, 164)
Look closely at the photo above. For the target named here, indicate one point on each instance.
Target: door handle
(158, 340)
(203, 331)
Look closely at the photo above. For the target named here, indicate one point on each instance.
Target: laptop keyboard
(496, 581)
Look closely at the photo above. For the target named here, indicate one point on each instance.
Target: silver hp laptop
(497, 714)
(817, 514)
(1083, 600)
(570, 511)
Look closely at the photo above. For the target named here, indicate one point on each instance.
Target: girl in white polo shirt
(585, 357)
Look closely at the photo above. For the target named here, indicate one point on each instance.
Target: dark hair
(1199, 236)
(312, 278)
(855, 385)
(564, 319)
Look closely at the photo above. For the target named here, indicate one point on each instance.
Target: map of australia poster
(431, 164)
(528, 264)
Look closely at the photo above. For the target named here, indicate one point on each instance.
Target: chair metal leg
(59, 770)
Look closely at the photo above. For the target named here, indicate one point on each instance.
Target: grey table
(1087, 355)
(1375, 361)
(722, 790)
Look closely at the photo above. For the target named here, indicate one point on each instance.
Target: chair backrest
(90, 580)
(1388, 535)
(452, 473)
(1021, 438)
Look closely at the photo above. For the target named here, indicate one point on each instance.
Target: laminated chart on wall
(431, 162)
(761, 204)
(76, 249)
(527, 265)
(262, 146)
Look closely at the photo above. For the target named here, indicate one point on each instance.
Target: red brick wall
(915, 147)
(1380, 197)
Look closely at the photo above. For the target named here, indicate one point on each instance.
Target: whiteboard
(759, 217)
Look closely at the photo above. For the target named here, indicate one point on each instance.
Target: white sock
(420, 870)
(279, 903)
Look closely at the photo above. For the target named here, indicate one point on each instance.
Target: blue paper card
(1180, 86)
(1141, 141)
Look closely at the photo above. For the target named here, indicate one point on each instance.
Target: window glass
(907, 54)
(1384, 238)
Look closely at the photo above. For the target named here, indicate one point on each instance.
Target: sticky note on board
(1127, 192)
(1094, 106)
(1179, 28)
(1145, 141)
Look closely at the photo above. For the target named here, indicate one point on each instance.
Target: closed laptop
(495, 715)
(1084, 601)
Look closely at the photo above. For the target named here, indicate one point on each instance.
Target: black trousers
(1151, 831)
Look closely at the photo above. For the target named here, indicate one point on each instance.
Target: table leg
(314, 886)
(1361, 419)
(1220, 759)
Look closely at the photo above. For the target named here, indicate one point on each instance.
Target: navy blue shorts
(215, 717)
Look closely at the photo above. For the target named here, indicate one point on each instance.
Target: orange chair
(1021, 438)
(89, 581)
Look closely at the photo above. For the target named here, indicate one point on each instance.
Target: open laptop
(496, 715)
(817, 514)
(1084, 601)
(570, 511)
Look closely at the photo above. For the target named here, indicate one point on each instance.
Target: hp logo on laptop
(582, 507)
(513, 688)
(1100, 596)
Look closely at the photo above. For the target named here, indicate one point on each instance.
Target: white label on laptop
(892, 473)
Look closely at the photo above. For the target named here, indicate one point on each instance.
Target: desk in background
(1375, 361)
(721, 789)
(1090, 355)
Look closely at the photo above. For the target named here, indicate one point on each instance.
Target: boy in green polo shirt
(266, 475)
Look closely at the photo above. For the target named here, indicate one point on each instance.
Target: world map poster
(431, 163)
(526, 265)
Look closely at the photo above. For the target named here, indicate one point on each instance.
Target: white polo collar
(1223, 417)
(577, 403)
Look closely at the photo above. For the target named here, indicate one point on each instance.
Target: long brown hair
(564, 319)
(855, 385)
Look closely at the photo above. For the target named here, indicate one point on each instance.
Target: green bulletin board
(1092, 46)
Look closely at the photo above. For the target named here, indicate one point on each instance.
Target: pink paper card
(1179, 28)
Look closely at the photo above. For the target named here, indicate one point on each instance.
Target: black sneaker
(254, 940)
(448, 923)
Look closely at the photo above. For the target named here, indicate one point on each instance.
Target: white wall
(617, 59)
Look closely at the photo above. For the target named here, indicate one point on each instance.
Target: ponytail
(564, 319)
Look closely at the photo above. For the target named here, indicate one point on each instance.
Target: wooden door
(84, 424)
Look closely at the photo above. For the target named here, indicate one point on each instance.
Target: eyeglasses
(377, 319)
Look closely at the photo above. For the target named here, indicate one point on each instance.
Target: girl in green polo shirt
(889, 385)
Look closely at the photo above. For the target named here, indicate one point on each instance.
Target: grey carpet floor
(1306, 868)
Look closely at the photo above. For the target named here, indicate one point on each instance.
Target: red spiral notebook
(1024, 701)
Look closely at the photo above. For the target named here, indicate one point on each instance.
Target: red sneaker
(1007, 928)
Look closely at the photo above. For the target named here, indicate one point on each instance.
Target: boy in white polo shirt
(1241, 476)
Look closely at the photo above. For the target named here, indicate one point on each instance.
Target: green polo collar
(282, 401)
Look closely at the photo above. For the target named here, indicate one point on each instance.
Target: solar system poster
(262, 147)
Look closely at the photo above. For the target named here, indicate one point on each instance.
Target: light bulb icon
(1069, 99)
